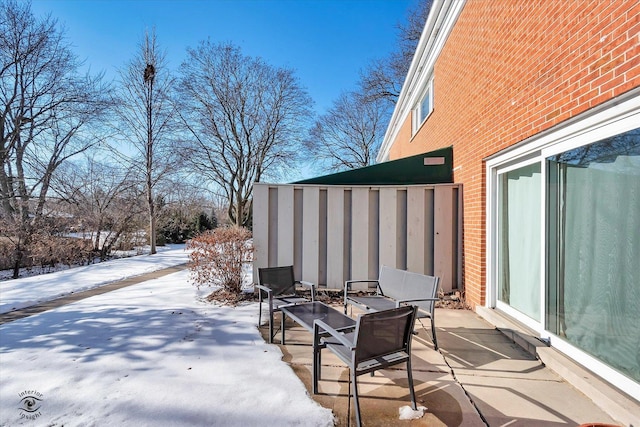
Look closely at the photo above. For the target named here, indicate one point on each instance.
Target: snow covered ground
(149, 354)
(28, 291)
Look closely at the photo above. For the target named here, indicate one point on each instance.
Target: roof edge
(434, 167)
(440, 22)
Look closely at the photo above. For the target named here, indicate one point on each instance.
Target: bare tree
(383, 78)
(245, 116)
(348, 136)
(103, 198)
(46, 111)
(146, 114)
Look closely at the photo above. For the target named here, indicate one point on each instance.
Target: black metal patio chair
(279, 288)
(381, 339)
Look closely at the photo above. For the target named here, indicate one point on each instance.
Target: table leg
(317, 363)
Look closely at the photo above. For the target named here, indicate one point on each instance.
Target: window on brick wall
(424, 107)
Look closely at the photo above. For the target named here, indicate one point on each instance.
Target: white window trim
(416, 112)
(615, 117)
(507, 309)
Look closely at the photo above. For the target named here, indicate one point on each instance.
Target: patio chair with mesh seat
(278, 288)
(381, 339)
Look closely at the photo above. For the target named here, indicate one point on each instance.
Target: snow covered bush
(218, 256)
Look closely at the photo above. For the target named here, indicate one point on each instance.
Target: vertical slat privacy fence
(335, 233)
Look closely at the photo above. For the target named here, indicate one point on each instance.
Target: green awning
(435, 167)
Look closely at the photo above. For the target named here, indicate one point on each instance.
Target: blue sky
(327, 42)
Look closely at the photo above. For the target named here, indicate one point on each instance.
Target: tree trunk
(152, 220)
(152, 228)
(16, 265)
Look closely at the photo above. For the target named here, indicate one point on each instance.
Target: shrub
(178, 227)
(6, 253)
(218, 256)
(48, 251)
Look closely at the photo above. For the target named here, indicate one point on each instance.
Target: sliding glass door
(593, 250)
(563, 240)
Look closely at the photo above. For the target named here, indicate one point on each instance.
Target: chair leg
(270, 319)
(356, 402)
(433, 334)
(270, 327)
(412, 392)
(282, 320)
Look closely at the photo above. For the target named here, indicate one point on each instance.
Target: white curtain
(519, 247)
(600, 287)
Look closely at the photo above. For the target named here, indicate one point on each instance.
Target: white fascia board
(440, 22)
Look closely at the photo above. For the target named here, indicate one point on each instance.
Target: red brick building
(540, 101)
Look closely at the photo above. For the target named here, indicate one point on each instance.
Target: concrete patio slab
(525, 401)
(478, 377)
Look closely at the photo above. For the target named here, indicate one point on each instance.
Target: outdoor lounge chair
(381, 339)
(278, 287)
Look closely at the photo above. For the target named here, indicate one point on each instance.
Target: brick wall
(509, 70)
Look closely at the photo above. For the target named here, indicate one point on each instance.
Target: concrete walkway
(77, 296)
(479, 377)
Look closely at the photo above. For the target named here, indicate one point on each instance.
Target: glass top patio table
(305, 314)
